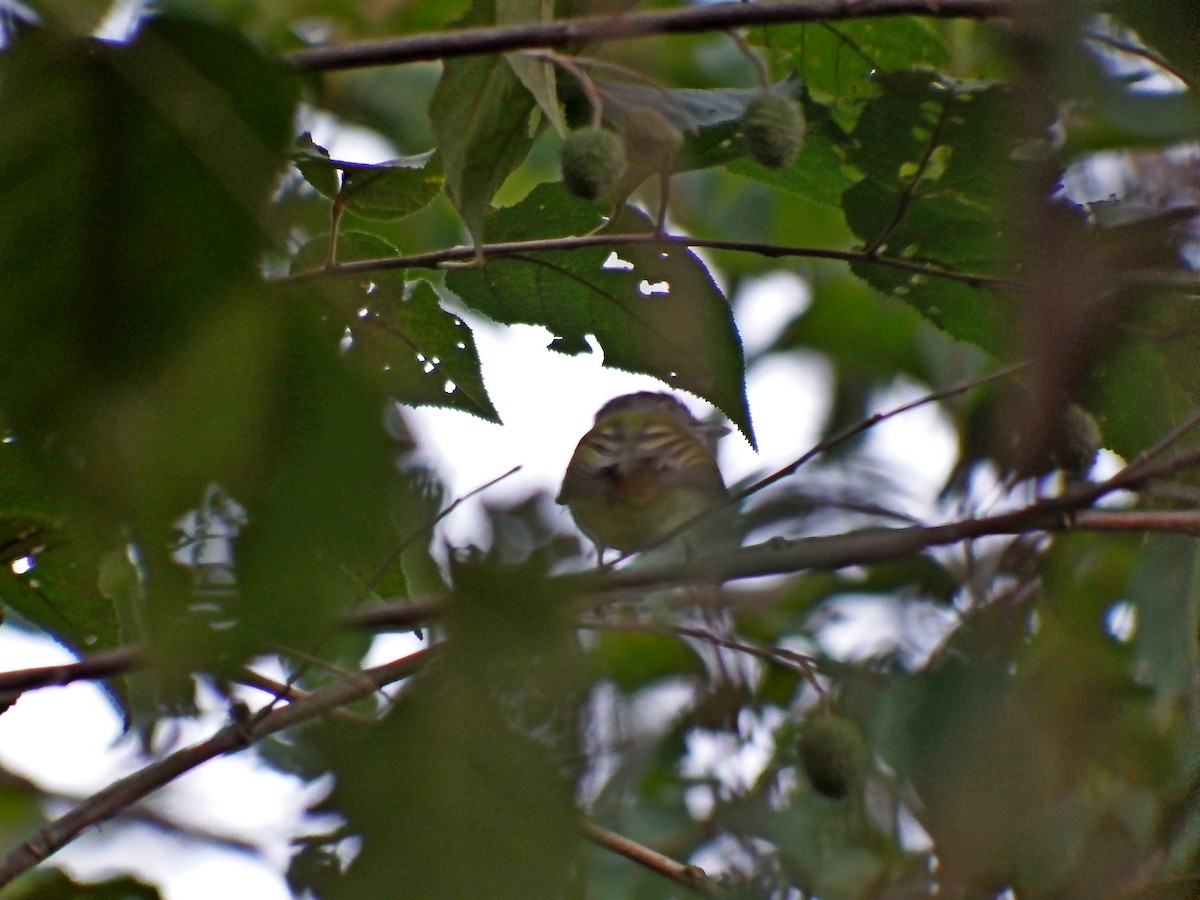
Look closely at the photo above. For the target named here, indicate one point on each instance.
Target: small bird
(646, 467)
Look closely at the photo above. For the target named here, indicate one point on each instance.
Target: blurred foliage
(202, 448)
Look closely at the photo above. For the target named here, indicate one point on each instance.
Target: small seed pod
(593, 161)
(773, 129)
(834, 754)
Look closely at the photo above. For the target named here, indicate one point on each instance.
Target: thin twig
(1175, 521)
(832, 442)
(125, 792)
(251, 678)
(1143, 53)
(871, 421)
(585, 29)
(691, 877)
(423, 528)
(780, 656)
(760, 67)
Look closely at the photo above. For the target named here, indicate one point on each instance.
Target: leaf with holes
(653, 307)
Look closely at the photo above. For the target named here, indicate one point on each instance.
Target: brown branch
(125, 792)
(585, 29)
(434, 258)
(99, 665)
(691, 877)
(1177, 521)
(277, 689)
(402, 615)
(779, 556)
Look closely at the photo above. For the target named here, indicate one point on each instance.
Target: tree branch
(126, 791)
(585, 29)
(100, 665)
(434, 258)
(692, 877)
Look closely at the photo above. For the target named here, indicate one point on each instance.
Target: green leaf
(352, 246)
(420, 353)
(480, 113)
(653, 309)
(1163, 589)
(937, 176)
(487, 736)
(391, 190)
(427, 354)
(841, 60)
(315, 165)
(119, 234)
(538, 76)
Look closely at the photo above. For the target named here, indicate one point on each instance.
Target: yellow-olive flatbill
(646, 467)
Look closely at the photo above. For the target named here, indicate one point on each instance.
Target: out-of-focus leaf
(632, 660)
(653, 309)
(486, 738)
(102, 283)
(1163, 591)
(54, 884)
(481, 117)
(1117, 115)
(1169, 26)
(105, 287)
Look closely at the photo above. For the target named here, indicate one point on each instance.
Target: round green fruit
(834, 755)
(773, 129)
(593, 161)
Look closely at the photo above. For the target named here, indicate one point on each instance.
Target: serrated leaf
(427, 355)
(937, 176)
(391, 190)
(422, 354)
(839, 60)
(480, 113)
(653, 308)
